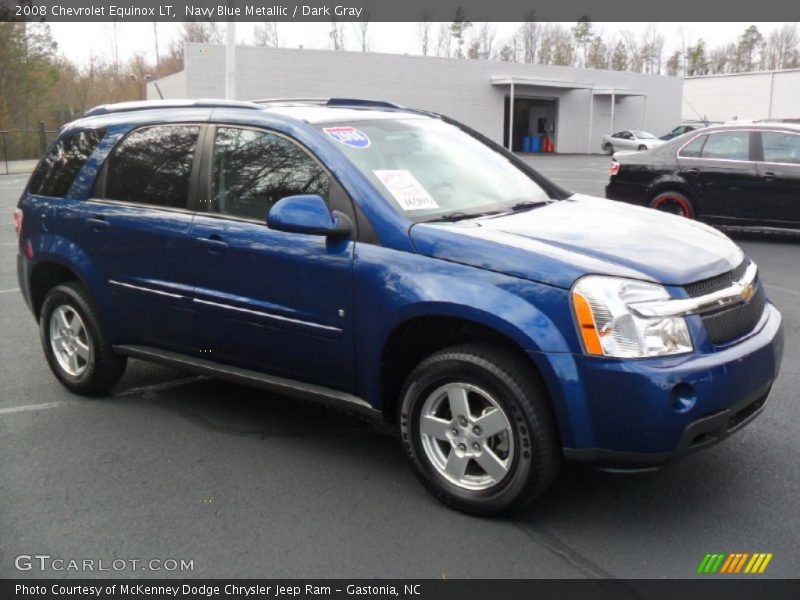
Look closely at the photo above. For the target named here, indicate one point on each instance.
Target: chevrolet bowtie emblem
(747, 291)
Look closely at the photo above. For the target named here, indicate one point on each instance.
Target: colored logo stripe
(736, 562)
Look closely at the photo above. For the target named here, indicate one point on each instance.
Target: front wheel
(642, 148)
(75, 342)
(478, 429)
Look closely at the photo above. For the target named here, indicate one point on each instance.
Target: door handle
(213, 243)
(98, 223)
(768, 176)
(693, 172)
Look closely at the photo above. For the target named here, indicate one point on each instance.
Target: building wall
(461, 89)
(172, 86)
(742, 96)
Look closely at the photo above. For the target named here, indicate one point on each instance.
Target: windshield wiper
(460, 216)
(527, 205)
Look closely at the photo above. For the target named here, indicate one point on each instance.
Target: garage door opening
(532, 117)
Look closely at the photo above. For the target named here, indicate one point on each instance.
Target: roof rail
(106, 109)
(354, 102)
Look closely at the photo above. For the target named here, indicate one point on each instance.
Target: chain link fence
(20, 149)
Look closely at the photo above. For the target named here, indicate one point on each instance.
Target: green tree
(458, 30)
(583, 34)
(750, 44)
(696, 60)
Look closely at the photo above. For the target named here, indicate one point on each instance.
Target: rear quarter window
(57, 170)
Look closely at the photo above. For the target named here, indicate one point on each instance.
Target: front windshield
(430, 169)
(643, 135)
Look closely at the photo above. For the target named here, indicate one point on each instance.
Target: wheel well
(44, 277)
(418, 338)
(671, 186)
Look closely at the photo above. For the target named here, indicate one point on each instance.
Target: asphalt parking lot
(245, 485)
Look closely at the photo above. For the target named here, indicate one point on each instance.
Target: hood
(558, 243)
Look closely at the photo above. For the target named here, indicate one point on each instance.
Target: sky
(81, 41)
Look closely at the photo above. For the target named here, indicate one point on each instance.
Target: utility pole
(230, 61)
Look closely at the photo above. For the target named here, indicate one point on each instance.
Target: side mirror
(307, 213)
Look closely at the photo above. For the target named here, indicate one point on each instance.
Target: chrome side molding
(738, 292)
(271, 383)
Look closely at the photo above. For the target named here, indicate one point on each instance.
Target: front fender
(393, 287)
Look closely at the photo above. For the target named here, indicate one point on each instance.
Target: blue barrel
(526, 143)
(536, 144)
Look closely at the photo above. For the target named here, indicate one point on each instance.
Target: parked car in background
(629, 140)
(745, 175)
(399, 265)
(680, 130)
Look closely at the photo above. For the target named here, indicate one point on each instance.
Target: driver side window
(254, 169)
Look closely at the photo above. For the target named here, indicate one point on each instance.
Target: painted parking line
(32, 407)
(9, 290)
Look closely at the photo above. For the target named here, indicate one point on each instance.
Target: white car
(629, 140)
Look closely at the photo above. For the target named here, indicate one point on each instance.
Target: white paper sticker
(405, 188)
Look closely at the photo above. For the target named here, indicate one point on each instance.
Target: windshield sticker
(405, 188)
(349, 136)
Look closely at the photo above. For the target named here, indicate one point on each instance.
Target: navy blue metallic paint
(322, 308)
(302, 214)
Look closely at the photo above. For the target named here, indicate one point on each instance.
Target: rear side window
(56, 172)
(252, 170)
(728, 145)
(780, 147)
(153, 166)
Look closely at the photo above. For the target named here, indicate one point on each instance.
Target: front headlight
(608, 327)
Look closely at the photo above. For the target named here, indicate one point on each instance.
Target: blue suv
(397, 264)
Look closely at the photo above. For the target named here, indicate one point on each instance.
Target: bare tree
(633, 51)
(781, 48)
(482, 41)
(267, 34)
(424, 34)
(443, 40)
(529, 35)
(337, 35)
(652, 49)
(362, 31)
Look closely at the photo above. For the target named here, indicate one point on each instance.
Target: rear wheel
(609, 149)
(75, 343)
(478, 430)
(642, 148)
(673, 202)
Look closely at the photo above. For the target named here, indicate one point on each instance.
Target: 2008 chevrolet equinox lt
(398, 264)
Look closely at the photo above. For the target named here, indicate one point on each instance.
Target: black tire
(673, 202)
(609, 149)
(104, 367)
(642, 148)
(514, 385)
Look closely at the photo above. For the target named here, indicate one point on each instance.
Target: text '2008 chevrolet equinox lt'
(398, 264)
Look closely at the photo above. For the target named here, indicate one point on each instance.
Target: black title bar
(397, 10)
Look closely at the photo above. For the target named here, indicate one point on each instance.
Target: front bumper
(650, 411)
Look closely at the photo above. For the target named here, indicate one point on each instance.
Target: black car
(730, 175)
(680, 130)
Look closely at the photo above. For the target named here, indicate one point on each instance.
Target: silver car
(629, 140)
